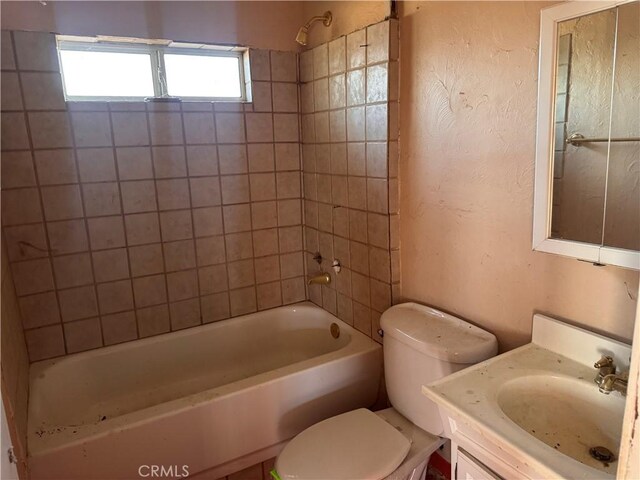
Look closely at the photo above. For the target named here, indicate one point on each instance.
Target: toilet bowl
(421, 345)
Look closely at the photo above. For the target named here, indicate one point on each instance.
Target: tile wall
(349, 117)
(127, 220)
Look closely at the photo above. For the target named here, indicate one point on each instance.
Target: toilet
(421, 345)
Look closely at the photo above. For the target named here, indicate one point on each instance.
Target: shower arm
(326, 20)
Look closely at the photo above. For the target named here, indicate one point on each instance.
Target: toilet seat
(355, 445)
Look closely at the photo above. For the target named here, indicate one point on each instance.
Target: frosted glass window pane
(202, 76)
(106, 74)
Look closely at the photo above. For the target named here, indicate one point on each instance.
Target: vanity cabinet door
(470, 468)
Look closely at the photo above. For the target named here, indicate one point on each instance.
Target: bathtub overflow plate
(335, 330)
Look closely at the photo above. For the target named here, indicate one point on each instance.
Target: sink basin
(568, 414)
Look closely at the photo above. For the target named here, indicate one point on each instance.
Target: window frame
(158, 71)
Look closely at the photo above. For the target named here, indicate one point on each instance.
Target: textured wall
(269, 25)
(468, 103)
(126, 220)
(349, 133)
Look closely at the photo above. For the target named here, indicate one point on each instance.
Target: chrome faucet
(607, 379)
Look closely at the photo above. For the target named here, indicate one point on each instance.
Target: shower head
(301, 37)
(303, 33)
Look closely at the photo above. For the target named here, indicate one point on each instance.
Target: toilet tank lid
(438, 334)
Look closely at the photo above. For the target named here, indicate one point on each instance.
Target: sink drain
(602, 454)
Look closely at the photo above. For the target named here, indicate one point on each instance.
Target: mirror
(587, 198)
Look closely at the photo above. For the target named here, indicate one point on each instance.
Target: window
(103, 68)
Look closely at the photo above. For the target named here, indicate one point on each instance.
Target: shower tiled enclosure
(349, 118)
(126, 220)
(129, 219)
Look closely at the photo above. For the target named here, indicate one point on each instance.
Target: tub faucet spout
(321, 279)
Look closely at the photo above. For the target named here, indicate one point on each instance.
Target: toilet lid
(355, 445)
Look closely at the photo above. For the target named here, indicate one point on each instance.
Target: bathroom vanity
(536, 412)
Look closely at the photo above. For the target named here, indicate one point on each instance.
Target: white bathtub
(219, 397)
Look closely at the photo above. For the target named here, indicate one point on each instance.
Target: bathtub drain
(335, 330)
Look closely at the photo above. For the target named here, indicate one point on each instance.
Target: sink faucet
(607, 379)
(615, 382)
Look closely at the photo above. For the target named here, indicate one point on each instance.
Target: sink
(535, 411)
(568, 414)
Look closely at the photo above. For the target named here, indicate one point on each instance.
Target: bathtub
(215, 398)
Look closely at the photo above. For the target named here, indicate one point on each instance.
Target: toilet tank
(422, 345)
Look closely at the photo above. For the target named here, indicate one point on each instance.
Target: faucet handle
(605, 361)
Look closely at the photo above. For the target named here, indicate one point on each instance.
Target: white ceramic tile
(377, 83)
(106, 232)
(73, 270)
(11, 98)
(96, 164)
(39, 310)
(26, 241)
(68, 236)
(118, 328)
(7, 56)
(377, 122)
(14, 132)
(17, 170)
(36, 51)
(320, 61)
(337, 55)
(173, 194)
(142, 228)
(306, 66)
(134, 163)
(149, 291)
(101, 199)
(284, 67)
(169, 162)
(260, 64)
(62, 202)
(56, 167)
(165, 128)
(109, 265)
(207, 221)
(46, 342)
(83, 335)
(356, 49)
(130, 129)
(78, 303)
(91, 129)
(115, 297)
(356, 94)
(202, 160)
(230, 128)
(378, 43)
(42, 91)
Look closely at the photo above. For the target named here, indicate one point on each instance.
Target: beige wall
(15, 365)
(271, 25)
(467, 123)
(348, 16)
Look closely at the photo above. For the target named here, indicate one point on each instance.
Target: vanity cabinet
(467, 467)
